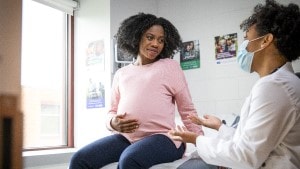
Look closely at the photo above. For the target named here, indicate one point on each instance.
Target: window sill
(47, 157)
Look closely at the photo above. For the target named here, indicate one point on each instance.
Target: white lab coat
(268, 134)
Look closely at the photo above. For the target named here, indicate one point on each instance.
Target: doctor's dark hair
(283, 22)
(132, 29)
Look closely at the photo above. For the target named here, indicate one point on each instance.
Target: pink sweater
(148, 93)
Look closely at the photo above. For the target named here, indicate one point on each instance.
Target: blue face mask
(245, 58)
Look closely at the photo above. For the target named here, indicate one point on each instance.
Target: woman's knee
(129, 161)
(77, 160)
(86, 159)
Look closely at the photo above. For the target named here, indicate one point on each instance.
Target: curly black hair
(281, 21)
(131, 30)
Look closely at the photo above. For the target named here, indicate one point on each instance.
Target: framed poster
(225, 48)
(190, 55)
(95, 93)
(95, 55)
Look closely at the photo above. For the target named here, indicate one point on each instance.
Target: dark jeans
(142, 154)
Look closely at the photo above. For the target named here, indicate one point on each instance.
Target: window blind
(67, 6)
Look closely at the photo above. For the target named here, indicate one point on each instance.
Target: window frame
(69, 88)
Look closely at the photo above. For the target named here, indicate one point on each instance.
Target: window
(47, 77)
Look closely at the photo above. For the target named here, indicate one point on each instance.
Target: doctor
(268, 134)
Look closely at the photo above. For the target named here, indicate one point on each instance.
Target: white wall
(121, 9)
(92, 22)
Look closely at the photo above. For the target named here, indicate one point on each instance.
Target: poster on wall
(95, 62)
(95, 95)
(190, 55)
(226, 48)
(95, 55)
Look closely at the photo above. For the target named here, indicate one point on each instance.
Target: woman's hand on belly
(121, 124)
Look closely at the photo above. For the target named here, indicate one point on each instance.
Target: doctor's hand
(209, 121)
(123, 125)
(182, 134)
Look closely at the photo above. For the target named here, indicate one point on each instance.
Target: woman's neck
(271, 65)
(143, 61)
